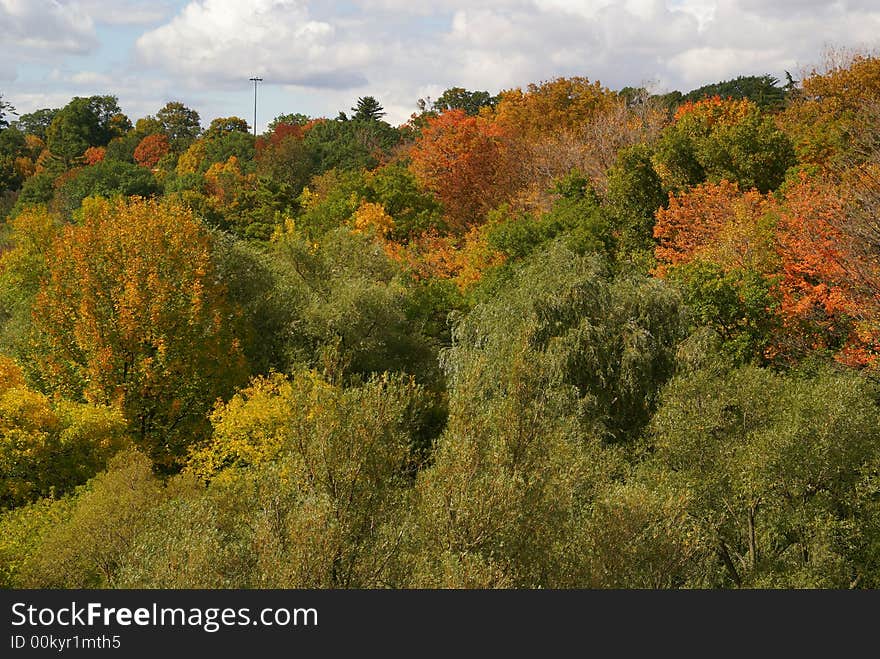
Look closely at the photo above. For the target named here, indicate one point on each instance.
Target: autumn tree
(94, 155)
(554, 105)
(824, 117)
(716, 139)
(151, 149)
(464, 161)
(48, 447)
(131, 315)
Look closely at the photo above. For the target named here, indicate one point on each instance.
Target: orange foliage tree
(820, 299)
(132, 314)
(465, 161)
(150, 150)
(715, 222)
(826, 113)
(796, 243)
(94, 154)
(552, 106)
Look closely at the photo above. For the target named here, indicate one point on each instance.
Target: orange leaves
(150, 150)
(795, 242)
(132, 313)
(464, 161)
(431, 255)
(716, 222)
(94, 154)
(715, 110)
(553, 106)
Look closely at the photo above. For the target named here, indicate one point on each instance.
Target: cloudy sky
(319, 57)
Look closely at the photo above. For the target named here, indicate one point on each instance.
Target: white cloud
(125, 12)
(319, 57)
(43, 28)
(224, 41)
(398, 50)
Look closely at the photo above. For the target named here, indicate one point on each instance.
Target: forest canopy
(558, 336)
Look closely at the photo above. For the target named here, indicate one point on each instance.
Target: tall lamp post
(255, 80)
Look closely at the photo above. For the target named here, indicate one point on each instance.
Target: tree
(224, 125)
(350, 144)
(106, 178)
(6, 109)
(555, 105)
(538, 377)
(465, 162)
(715, 140)
(14, 163)
(180, 124)
(834, 101)
(73, 130)
(458, 98)
(773, 468)
(151, 149)
(37, 122)
(764, 91)
(94, 155)
(633, 194)
(293, 119)
(368, 109)
(87, 545)
(131, 315)
(48, 447)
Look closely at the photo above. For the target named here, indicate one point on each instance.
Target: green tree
(6, 109)
(85, 548)
(458, 98)
(73, 130)
(105, 179)
(12, 148)
(180, 123)
(773, 469)
(634, 192)
(350, 144)
(764, 91)
(291, 119)
(368, 109)
(224, 125)
(37, 122)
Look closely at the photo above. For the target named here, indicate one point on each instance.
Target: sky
(318, 58)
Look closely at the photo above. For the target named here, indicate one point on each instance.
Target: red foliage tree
(465, 161)
(151, 149)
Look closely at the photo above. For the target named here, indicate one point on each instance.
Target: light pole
(255, 80)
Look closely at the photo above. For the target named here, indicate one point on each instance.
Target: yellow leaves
(552, 106)
(371, 219)
(21, 408)
(190, 161)
(249, 429)
(10, 374)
